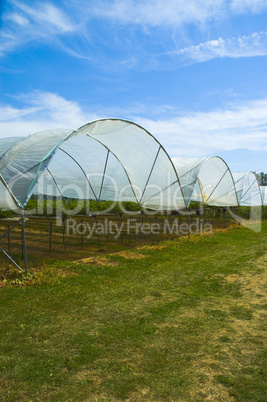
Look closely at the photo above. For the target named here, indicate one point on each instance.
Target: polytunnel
(263, 190)
(108, 159)
(247, 189)
(208, 180)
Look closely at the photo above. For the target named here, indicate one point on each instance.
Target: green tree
(262, 178)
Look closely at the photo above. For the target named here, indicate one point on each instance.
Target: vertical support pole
(107, 221)
(238, 214)
(63, 235)
(50, 237)
(9, 242)
(188, 223)
(121, 227)
(98, 236)
(82, 242)
(24, 241)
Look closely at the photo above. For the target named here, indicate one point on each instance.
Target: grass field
(181, 320)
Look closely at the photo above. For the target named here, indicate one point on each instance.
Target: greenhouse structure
(207, 180)
(104, 160)
(263, 190)
(116, 160)
(247, 189)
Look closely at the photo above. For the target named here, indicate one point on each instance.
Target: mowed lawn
(182, 320)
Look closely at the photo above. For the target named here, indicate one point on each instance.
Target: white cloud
(60, 110)
(9, 113)
(243, 46)
(159, 12)
(199, 134)
(47, 15)
(17, 18)
(248, 6)
(74, 27)
(155, 13)
(32, 24)
(41, 111)
(191, 135)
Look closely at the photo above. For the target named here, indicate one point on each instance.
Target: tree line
(262, 178)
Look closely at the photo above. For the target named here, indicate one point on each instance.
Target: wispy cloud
(47, 15)
(199, 134)
(24, 24)
(238, 126)
(243, 46)
(76, 27)
(159, 13)
(41, 111)
(248, 6)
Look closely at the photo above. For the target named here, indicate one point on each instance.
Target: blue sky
(192, 72)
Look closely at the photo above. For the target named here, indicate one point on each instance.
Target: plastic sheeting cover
(247, 189)
(263, 190)
(206, 179)
(108, 159)
(116, 160)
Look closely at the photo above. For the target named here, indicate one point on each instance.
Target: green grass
(184, 323)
